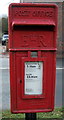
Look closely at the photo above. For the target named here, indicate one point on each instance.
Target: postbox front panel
(35, 94)
(32, 43)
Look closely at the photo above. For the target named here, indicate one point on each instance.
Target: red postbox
(32, 46)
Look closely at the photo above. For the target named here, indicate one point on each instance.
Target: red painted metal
(32, 27)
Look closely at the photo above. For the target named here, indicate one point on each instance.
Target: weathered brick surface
(42, 1)
(63, 29)
(59, 38)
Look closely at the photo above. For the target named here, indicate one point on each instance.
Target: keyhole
(20, 81)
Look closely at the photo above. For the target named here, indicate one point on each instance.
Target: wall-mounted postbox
(32, 46)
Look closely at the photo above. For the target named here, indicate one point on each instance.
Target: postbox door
(31, 96)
